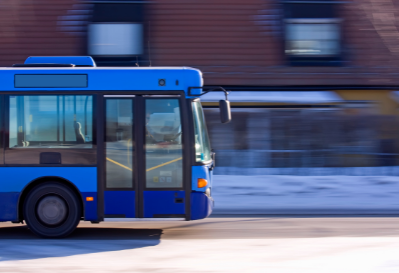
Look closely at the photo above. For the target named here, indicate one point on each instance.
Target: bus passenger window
(51, 122)
(163, 144)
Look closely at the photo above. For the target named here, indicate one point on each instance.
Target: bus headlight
(208, 192)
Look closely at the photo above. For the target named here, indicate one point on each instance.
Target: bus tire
(52, 210)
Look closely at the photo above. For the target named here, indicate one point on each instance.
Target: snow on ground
(375, 254)
(236, 194)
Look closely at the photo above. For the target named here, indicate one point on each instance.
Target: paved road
(211, 245)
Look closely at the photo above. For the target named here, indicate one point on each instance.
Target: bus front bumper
(201, 205)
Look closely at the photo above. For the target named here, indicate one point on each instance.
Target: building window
(312, 33)
(116, 34)
(115, 39)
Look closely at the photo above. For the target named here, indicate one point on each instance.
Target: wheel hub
(52, 210)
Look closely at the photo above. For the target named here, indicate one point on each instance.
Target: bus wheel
(52, 210)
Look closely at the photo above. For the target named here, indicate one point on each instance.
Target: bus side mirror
(225, 113)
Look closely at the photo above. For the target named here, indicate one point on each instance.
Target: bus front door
(144, 158)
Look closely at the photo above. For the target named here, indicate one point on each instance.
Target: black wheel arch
(42, 180)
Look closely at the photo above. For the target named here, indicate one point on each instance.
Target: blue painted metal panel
(101, 78)
(8, 206)
(201, 172)
(90, 207)
(162, 202)
(201, 206)
(76, 60)
(120, 202)
(14, 179)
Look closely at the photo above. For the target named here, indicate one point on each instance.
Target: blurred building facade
(349, 48)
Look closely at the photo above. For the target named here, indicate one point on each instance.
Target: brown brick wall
(233, 42)
(240, 43)
(31, 27)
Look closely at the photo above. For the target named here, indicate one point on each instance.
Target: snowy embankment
(293, 194)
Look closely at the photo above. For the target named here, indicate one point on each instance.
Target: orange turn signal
(202, 182)
(89, 198)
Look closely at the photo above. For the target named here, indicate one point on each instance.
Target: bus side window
(50, 121)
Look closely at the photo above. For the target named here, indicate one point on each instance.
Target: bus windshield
(202, 145)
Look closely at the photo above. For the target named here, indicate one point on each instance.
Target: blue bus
(80, 142)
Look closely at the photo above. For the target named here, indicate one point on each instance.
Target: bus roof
(76, 60)
(100, 78)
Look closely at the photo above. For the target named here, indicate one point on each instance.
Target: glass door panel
(119, 143)
(163, 144)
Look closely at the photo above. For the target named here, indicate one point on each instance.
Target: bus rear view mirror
(225, 113)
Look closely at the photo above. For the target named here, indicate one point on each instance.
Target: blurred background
(313, 82)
